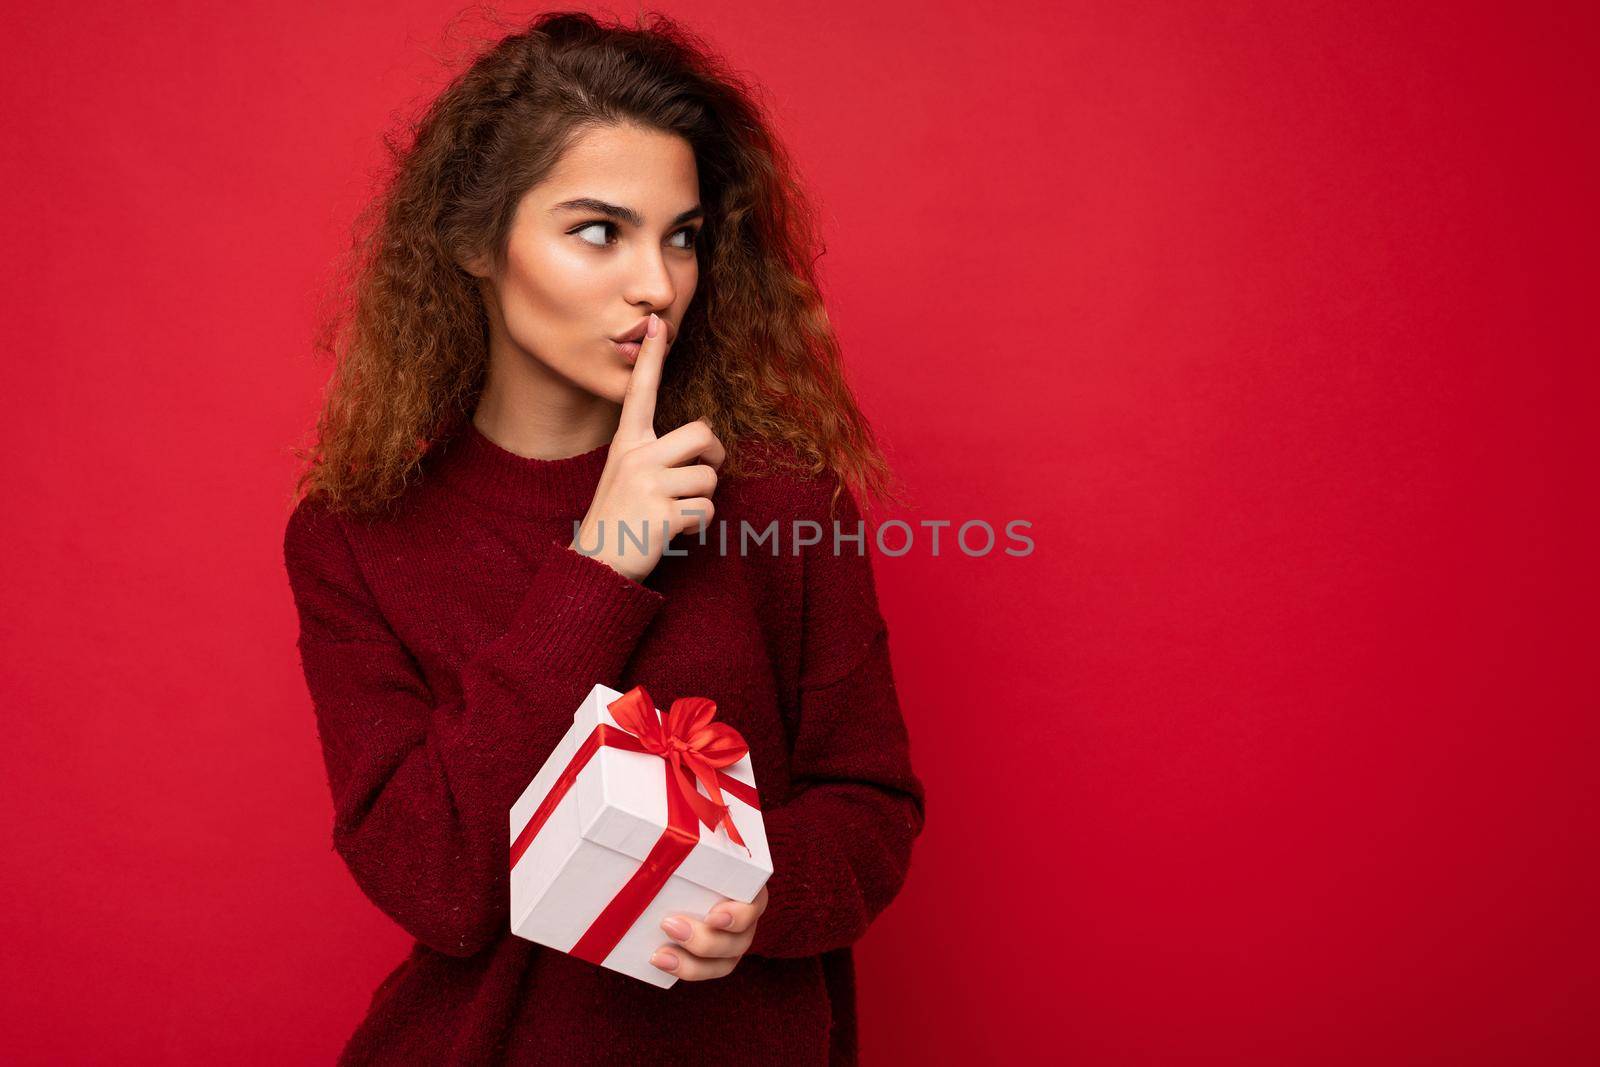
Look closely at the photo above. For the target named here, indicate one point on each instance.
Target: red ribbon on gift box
(689, 743)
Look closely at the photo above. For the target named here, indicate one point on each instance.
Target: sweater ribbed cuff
(788, 898)
(579, 620)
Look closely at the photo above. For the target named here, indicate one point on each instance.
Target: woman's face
(605, 240)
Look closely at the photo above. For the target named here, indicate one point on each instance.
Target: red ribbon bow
(691, 744)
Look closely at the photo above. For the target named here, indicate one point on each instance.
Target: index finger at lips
(639, 401)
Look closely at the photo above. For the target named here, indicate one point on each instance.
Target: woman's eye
(604, 226)
(690, 235)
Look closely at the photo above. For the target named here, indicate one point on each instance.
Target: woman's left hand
(711, 947)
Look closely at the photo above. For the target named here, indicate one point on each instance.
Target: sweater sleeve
(841, 841)
(422, 786)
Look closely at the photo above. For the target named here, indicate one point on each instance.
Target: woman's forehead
(647, 172)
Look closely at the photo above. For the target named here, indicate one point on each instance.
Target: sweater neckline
(473, 466)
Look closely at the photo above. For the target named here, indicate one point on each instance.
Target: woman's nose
(651, 282)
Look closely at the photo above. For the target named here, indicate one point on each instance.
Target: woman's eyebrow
(621, 214)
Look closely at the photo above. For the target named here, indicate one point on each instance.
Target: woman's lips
(629, 349)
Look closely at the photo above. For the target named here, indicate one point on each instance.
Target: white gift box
(583, 875)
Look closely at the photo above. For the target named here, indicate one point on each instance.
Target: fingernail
(654, 327)
(665, 960)
(721, 920)
(677, 929)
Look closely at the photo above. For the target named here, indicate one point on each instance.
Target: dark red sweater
(445, 650)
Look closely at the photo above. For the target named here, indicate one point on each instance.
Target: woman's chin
(616, 385)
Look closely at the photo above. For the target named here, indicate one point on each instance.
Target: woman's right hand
(646, 483)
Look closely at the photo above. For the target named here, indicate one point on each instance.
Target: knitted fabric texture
(445, 649)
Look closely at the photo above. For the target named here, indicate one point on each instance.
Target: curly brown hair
(755, 355)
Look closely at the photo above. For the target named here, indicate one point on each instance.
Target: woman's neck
(528, 410)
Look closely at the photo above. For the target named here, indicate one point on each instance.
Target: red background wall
(1269, 317)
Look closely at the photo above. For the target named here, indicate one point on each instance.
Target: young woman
(586, 299)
